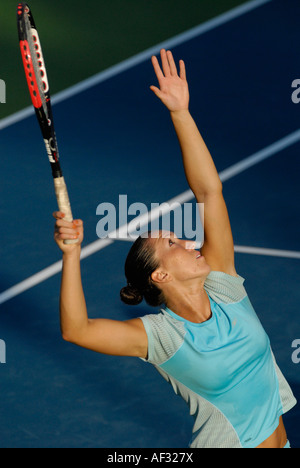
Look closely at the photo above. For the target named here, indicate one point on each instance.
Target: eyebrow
(170, 234)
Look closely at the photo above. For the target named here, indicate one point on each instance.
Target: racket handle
(64, 203)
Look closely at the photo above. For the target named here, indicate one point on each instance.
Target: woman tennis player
(207, 340)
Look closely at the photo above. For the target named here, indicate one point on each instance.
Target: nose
(190, 245)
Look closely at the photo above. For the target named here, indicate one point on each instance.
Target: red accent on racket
(36, 76)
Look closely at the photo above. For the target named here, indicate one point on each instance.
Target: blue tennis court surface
(120, 141)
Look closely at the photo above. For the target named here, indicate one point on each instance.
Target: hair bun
(130, 295)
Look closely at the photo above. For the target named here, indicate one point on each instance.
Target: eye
(171, 242)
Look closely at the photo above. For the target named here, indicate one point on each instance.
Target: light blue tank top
(223, 368)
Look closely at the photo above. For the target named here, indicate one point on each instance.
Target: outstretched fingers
(165, 63)
(172, 65)
(156, 91)
(168, 66)
(157, 69)
(182, 70)
(173, 87)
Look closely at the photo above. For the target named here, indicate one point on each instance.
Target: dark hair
(139, 266)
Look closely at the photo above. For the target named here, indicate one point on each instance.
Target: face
(178, 258)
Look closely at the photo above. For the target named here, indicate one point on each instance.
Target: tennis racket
(36, 75)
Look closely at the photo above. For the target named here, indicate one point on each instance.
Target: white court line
(139, 58)
(267, 252)
(113, 71)
(250, 250)
(260, 156)
(188, 195)
(46, 274)
(143, 220)
(247, 250)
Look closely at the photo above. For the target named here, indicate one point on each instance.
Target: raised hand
(173, 89)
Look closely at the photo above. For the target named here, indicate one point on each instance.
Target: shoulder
(225, 288)
(165, 336)
(162, 324)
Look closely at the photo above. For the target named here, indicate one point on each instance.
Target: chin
(207, 269)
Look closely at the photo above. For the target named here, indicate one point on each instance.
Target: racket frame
(38, 85)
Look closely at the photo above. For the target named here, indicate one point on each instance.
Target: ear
(160, 276)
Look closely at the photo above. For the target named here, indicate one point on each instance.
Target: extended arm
(199, 167)
(101, 335)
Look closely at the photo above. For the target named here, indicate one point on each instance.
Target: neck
(190, 302)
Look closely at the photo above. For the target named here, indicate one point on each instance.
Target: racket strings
(37, 62)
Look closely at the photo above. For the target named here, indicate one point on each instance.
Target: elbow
(69, 337)
(215, 189)
(66, 337)
(74, 336)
